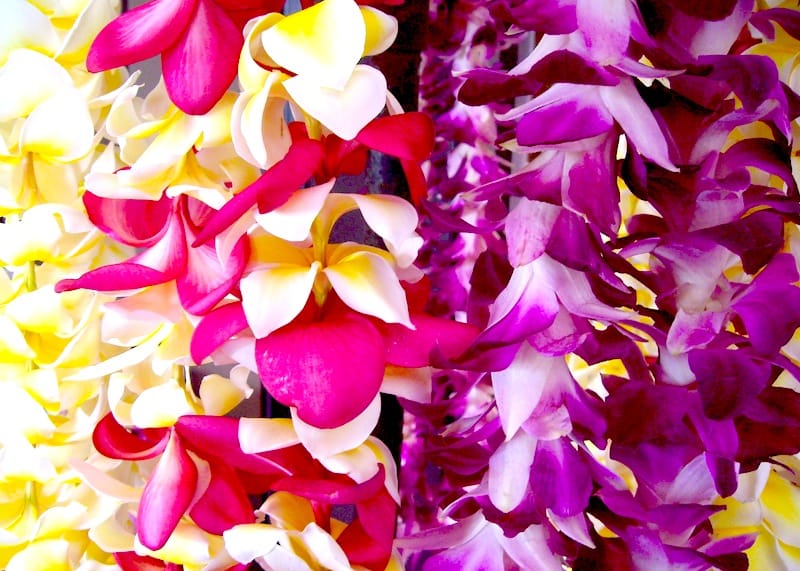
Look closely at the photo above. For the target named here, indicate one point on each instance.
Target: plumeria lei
(587, 309)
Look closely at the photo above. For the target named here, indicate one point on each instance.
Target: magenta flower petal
(341, 491)
(368, 540)
(405, 136)
(167, 495)
(207, 280)
(271, 189)
(413, 348)
(224, 503)
(116, 277)
(139, 223)
(727, 380)
(140, 34)
(131, 561)
(330, 370)
(113, 440)
(215, 329)
(201, 65)
(564, 121)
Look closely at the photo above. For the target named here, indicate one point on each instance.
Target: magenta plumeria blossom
(198, 40)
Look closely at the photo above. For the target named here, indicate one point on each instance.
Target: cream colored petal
(265, 434)
(252, 62)
(20, 460)
(325, 442)
(258, 126)
(27, 80)
(220, 395)
(40, 311)
(60, 128)
(327, 552)
(111, 536)
(413, 384)
(293, 220)
(188, 545)
(13, 346)
(781, 502)
(395, 220)
(23, 26)
(346, 110)
(246, 542)
(94, 16)
(274, 296)
(324, 41)
(161, 406)
(50, 554)
(367, 282)
(128, 358)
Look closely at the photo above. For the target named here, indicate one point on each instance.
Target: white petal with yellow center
(264, 434)
(324, 42)
(274, 296)
(346, 110)
(395, 220)
(161, 406)
(27, 80)
(23, 26)
(40, 311)
(325, 442)
(293, 220)
(246, 542)
(367, 282)
(188, 545)
(220, 395)
(50, 554)
(60, 129)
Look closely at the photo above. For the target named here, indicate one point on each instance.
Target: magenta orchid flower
(163, 229)
(199, 42)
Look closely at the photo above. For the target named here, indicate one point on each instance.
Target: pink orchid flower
(163, 229)
(199, 42)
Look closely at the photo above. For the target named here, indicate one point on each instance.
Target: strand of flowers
(49, 109)
(224, 207)
(636, 400)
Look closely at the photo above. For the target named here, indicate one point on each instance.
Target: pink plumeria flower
(199, 42)
(163, 229)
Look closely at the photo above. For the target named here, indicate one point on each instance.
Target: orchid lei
(588, 312)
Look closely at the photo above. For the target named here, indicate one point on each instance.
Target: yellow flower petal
(781, 501)
(40, 311)
(220, 395)
(381, 30)
(367, 282)
(13, 347)
(50, 554)
(188, 545)
(23, 26)
(27, 80)
(60, 128)
(161, 406)
(323, 42)
(273, 297)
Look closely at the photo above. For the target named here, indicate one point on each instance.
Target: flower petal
(215, 329)
(201, 65)
(273, 297)
(323, 42)
(140, 34)
(139, 223)
(344, 111)
(330, 370)
(167, 495)
(405, 136)
(366, 282)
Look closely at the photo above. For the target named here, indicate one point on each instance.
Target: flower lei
(588, 309)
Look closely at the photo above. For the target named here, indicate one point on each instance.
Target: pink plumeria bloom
(199, 42)
(164, 229)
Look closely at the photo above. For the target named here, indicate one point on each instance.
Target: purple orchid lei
(587, 310)
(634, 281)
